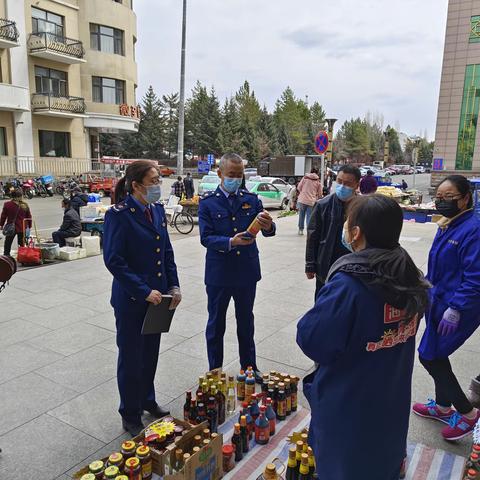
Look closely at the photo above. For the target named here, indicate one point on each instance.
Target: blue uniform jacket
(360, 394)
(138, 254)
(219, 221)
(454, 272)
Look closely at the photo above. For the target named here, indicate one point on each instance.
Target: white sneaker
(300, 232)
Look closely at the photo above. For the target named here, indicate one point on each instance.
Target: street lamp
(330, 123)
(181, 104)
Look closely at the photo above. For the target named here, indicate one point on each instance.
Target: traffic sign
(211, 159)
(321, 142)
(203, 166)
(437, 164)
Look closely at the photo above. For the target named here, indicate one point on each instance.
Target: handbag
(9, 229)
(29, 255)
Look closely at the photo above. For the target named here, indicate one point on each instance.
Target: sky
(352, 56)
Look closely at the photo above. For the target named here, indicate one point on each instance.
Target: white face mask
(154, 193)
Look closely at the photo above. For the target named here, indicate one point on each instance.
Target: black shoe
(258, 377)
(158, 411)
(133, 428)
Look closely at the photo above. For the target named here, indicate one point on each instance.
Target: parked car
(269, 194)
(208, 183)
(165, 171)
(420, 169)
(281, 184)
(250, 172)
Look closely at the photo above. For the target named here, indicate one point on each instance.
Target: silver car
(281, 184)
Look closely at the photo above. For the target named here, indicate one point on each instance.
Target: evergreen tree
(151, 129)
(395, 150)
(170, 104)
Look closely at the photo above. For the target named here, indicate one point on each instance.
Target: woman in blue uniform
(138, 253)
(454, 312)
(361, 333)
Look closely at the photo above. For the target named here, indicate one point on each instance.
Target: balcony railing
(8, 30)
(52, 102)
(46, 41)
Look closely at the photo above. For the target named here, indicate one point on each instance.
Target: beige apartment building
(457, 141)
(67, 74)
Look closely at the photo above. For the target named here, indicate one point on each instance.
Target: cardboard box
(207, 464)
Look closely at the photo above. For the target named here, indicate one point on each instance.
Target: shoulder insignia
(207, 195)
(247, 192)
(119, 207)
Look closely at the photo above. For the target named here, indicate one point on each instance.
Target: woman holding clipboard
(138, 253)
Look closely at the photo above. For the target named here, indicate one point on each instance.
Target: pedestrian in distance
(16, 221)
(71, 225)
(404, 184)
(178, 188)
(78, 199)
(324, 245)
(138, 253)
(309, 190)
(189, 186)
(368, 184)
(232, 267)
(361, 332)
(453, 315)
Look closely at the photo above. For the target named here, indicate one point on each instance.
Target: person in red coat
(16, 211)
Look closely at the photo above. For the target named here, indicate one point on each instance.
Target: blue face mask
(343, 193)
(231, 185)
(346, 244)
(154, 192)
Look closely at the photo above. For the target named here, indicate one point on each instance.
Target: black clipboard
(158, 317)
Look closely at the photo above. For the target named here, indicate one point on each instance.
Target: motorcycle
(40, 189)
(28, 188)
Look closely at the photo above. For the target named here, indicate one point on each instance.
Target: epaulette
(119, 207)
(247, 192)
(207, 195)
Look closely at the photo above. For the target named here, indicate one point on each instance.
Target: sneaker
(300, 232)
(459, 426)
(431, 410)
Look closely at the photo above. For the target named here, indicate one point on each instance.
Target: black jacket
(323, 241)
(71, 223)
(79, 200)
(189, 187)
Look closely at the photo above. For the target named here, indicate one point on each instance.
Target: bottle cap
(179, 453)
(474, 457)
(299, 446)
(143, 451)
(196, 449)
(243, 420)
(132, 462)
(186, 456)
(129, 445)
(292, 452)
(263, 409)
(304, 458)
(269, 401)
(111, 471)
(227, 449)
(96, 466)
(115, 458)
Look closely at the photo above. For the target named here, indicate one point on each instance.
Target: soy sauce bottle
(244, 434)
(187, 406)
(237, 442)
(281, 405)
(262, 428)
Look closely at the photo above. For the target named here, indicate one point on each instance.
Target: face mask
(154, 192)
(231, 185)
(447, 208)
(346, 244)
(343, 192)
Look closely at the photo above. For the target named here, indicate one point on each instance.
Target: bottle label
(241, 391)
(294, 400)
(281, 408)
(147, 469)
(289, 404)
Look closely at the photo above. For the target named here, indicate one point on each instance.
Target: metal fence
(8, 30)
(60, 103)
(56, 43)
(59, 167)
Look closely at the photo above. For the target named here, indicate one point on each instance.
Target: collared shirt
(141, 206)
(227, 194)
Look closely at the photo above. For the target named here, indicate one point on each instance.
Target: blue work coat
(138, 254)
(454, 272)
(219, 221)
(360, 393)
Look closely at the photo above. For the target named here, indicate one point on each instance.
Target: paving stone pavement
(58, 394)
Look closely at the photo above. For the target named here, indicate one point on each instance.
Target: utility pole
(181, 105)
(330, 123)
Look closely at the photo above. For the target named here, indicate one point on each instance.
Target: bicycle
(182, 221)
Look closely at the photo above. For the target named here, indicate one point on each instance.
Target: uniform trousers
(218, 301)
(137, 364)
(447, 389)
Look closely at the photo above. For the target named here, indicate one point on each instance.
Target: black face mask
(447, 208)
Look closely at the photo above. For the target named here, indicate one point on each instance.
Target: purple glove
(449, 323)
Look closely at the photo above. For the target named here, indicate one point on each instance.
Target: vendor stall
(190, 205)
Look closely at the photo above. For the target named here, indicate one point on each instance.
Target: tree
(169, 105)
(317, 117)
(354, 141)
(202, 119)
(395, 150)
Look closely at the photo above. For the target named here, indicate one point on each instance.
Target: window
(108, 90)
(43, 21)
(106, 39)
(51, 81)
(3, 141)
(54, 144)
(467, 131)
(475, 29)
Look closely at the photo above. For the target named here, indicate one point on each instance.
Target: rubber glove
(176, 297)
(450, 322)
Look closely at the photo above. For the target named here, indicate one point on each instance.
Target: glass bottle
(298, 454)
(281, 406)
(244, 434)
(288, 396)
(262, 428)
(145, 457)
(254, 407)
(178, 462)
(212, 414)
(304, 468)
(294, 394)
(249, 387)
(311, 461)
(271, 417)
(200, 385)
(231, 402)
(237, 442)
(241, 386)
(186, 406)
(292, 470)
(193, 413)
(221, 404)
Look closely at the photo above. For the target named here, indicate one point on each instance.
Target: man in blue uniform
(232, 265)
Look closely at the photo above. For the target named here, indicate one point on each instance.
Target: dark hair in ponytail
(380, 219)
(135, 172)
